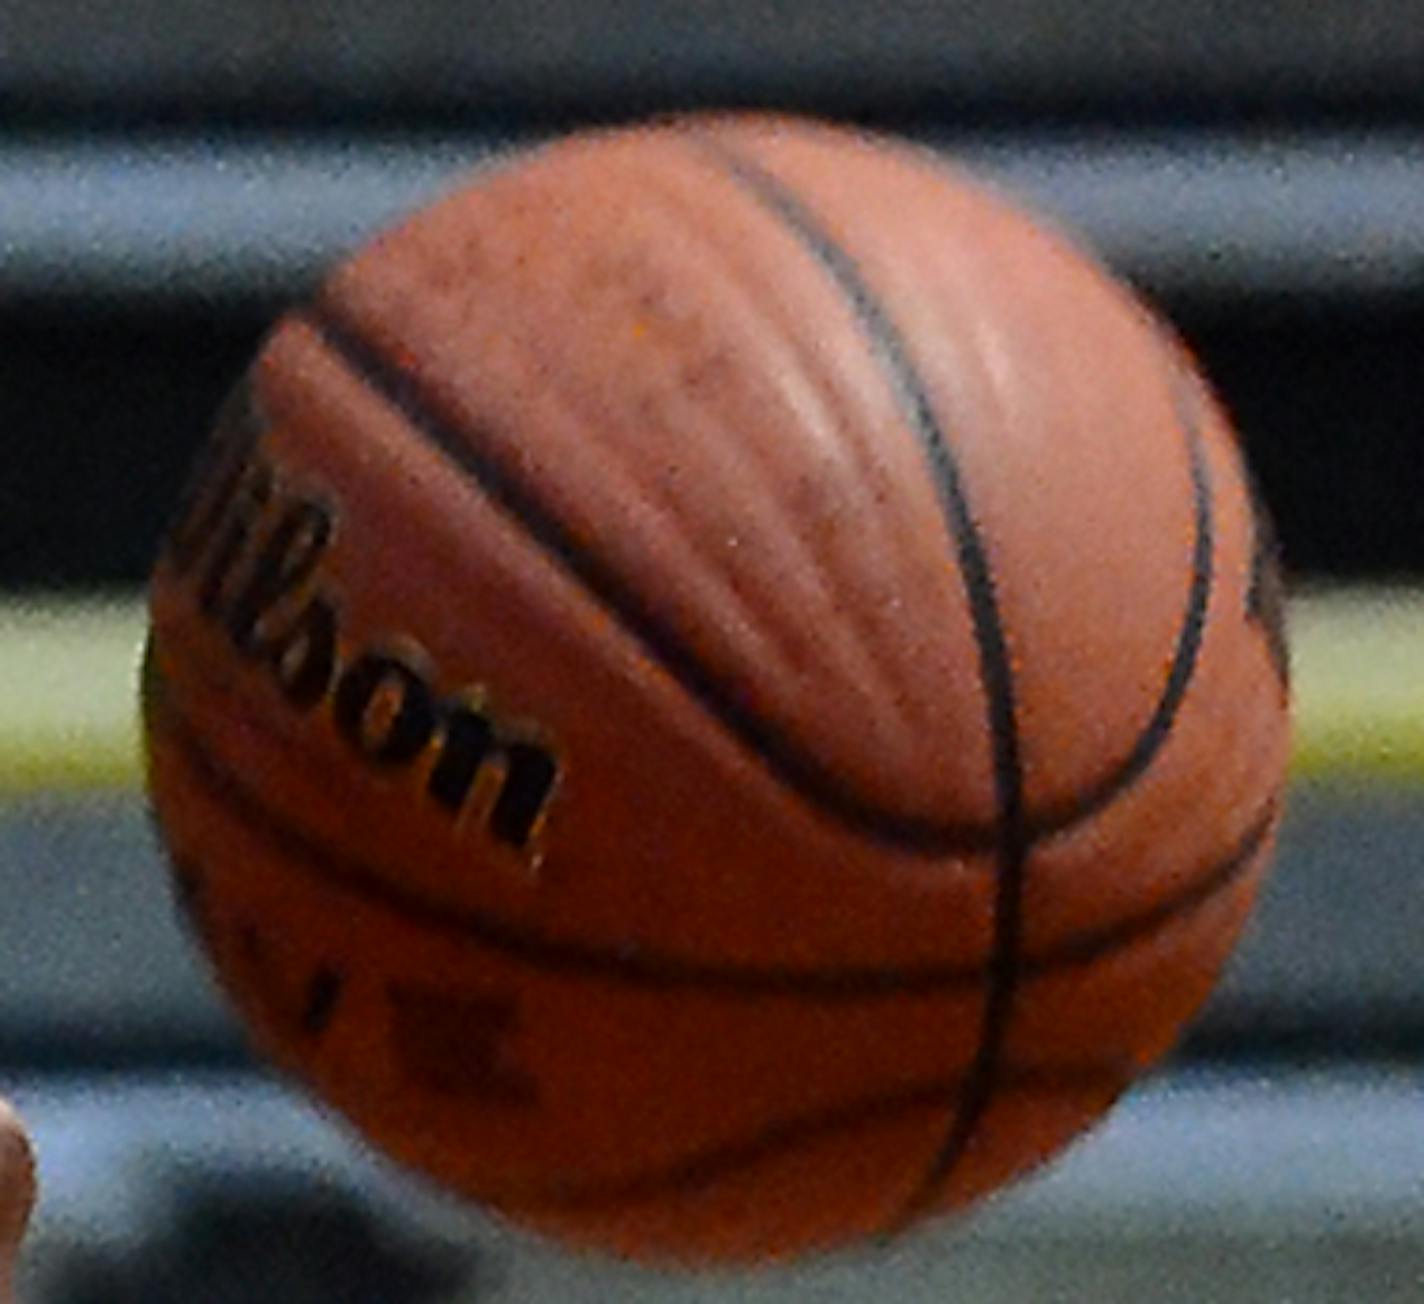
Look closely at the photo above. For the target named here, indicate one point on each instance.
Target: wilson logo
(250, 545)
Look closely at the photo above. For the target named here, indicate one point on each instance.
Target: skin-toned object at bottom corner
(17, 1195)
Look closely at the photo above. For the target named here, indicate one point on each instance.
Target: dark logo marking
(300, 1000)
(250, 543)
(304, 1005)
(460, 1044)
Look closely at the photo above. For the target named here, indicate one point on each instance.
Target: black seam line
(788, 761)
(307, 854)
(722, 696)
(1096, 796)
(707, 1165)
(1001, 977)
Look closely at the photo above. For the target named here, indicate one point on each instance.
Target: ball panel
(752, 496)
(1227, 748)
(1048, 453)
(286, 980)
(1134, 914)
(755, 1213)
(619, 1075)
(831, 1187)
(646, 779)
(1129, 996)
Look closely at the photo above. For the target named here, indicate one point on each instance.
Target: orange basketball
(719, 691)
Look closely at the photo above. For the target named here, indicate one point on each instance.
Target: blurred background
(173, 172)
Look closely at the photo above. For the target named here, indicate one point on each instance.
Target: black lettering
(384, 709)
(286, 561)
(470, 746)
(214, 480)
(253, 494)
(528, 780)
(465, 745)
(303, 656)
(253, 549)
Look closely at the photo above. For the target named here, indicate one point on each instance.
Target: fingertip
(17, 1179)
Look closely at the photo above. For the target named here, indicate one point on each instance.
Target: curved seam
(1094, 797)
(706, 1165)
(370, 883)
(720, 695)
(888, 346)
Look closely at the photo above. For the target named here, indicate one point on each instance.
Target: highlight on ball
(720, 691)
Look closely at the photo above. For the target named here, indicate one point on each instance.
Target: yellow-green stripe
(68, 667)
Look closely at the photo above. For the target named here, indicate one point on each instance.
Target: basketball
(719, 691)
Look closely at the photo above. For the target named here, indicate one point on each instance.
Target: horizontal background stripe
(349, 58)
(1203, 1187)
(68, 708)
(165, 216)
